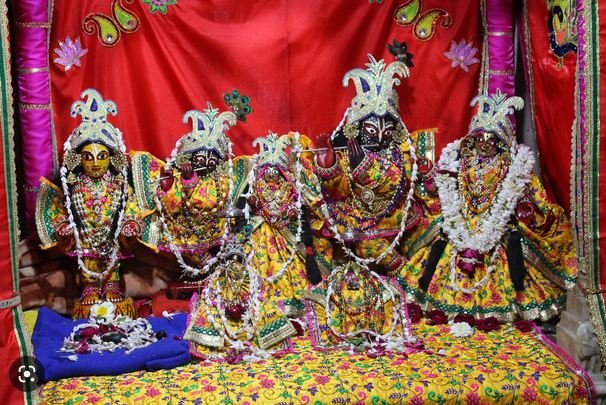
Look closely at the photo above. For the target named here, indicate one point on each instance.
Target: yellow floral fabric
(369, 307)
(549, 260)
(272, 249)
(504, 366)
(272, 331)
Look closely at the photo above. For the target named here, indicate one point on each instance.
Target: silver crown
(492, 115)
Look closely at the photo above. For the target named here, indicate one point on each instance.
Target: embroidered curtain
(157, 60)
(548, 44)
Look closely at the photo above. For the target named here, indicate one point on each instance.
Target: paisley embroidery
(425, 23)
(108, 28)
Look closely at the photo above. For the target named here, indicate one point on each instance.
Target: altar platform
(504, 366)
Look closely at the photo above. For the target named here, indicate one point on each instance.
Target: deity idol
(95, 216)
(369, 189)
(232, 319)
(505, 250)
(282, 195)
(194, 202)
(356, 308)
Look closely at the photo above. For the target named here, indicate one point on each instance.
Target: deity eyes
(205, 159)
(271, 174)
(90, 157)
(378, 130)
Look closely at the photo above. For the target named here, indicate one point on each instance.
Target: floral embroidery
(462, 54)
(69, 53)
(159, 5)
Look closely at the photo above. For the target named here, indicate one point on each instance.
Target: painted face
(271, 175)
(487, 144)
(205, 161)
(378, 130)
(95, 160)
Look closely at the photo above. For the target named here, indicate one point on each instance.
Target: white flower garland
(394, 343)
(409, 196)
(113, 257)
(493, 225)
(191, 270)
(139, 332)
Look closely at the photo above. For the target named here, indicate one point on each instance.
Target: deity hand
(326, 158)
(65, 235)
(130, 230)
(356, 154)
(525, 211)
(167, 182)
(187, 170)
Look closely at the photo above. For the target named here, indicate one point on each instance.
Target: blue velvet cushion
(51, 328)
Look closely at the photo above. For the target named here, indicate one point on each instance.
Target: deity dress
(192, 207)
(232, 319)
(505, 250)
(281, 196)
(355, 308)
(372, 189)
(95, 216)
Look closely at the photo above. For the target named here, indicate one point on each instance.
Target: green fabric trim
(423, 298)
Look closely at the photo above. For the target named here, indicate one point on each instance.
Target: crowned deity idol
(369, 189)
(356, 308)
(193, 203)
(232, 319)
(283, 195)
(94, 216)
(504, 249)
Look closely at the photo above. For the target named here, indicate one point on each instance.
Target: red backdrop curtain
(288, 56)
(550, 76)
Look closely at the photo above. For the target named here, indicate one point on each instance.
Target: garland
(191, 270)
(113, 257)
(393, 343)
(493, 223)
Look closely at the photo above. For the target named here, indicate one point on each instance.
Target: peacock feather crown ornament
(375, 89)
(272, 150)
(208, 131)
(94, 126)
(492, 115)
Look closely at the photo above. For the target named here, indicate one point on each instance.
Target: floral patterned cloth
(549, 259)
(505, 366)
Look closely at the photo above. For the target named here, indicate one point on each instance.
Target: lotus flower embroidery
(462, 54)
(69, 53)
